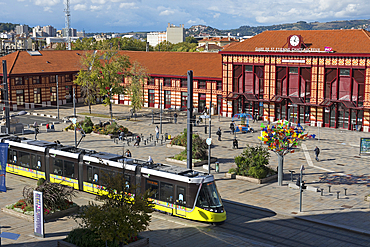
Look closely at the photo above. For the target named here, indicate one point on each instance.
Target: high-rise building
(50, 31)
(175, 34)
(72, 32)
(81, 34)
(154, 38)
(22, 29)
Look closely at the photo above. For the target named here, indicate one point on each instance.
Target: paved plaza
(340, 167)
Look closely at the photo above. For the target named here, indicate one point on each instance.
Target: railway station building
(320, 78)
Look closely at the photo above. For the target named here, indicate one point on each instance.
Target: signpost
(38, 218)
(3, 160)
(300, 188)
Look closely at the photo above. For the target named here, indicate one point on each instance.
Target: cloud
(196, 21)
(46, 2)
(99, 1)
(127, 5)
(95, 8)
(167, 12)
(216, 15)
(81, 7)
(47, 9)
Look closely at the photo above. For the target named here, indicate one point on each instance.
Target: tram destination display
(365, 146)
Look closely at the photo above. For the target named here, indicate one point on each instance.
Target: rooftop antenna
(68, 20)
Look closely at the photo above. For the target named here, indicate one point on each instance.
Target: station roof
(355, 41)
(204, 65)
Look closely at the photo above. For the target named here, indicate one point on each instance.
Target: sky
(154, 15)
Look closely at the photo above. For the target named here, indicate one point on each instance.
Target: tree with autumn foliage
(283, 138)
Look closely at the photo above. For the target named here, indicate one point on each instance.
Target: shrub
(199, 148)
(84, 238)
(40, 181)
(253, 162)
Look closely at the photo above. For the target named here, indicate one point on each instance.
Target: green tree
(164, 46)
(60, 47)
(87, 78)
(123, 213)
(135, 88)
(191, 39)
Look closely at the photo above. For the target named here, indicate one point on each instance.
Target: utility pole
(160, 107)
(74, 115)
(6, 97)
(189, 145)
(209, 135)
(57, 95)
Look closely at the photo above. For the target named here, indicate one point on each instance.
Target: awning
(233, 96)
(296, 100)
(250, 97)
(348, 104)
(326, 102)
(276, 99)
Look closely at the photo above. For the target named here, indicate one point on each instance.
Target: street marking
(309, 161)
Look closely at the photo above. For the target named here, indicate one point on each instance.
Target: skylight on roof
(34, 53)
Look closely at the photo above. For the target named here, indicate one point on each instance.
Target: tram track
(278, 230)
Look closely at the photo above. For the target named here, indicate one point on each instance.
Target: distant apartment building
(81, 34)
(72, 32)
(37, 32)
(50, 31)
(175, 34)
(6, 36)
(22, 29)
(154, 38)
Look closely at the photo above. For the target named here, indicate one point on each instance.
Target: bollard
(144, 142)
(161, 142)
(217, 164)
(155, 143)
(205, 129)
(128, 143)
(329, 188)
(322, 192)
(162, 138)
(338, 194)
(291, 175)
(345, 191)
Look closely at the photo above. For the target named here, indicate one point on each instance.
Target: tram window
(33, 161)
(69, 169)
(166, 192)
(89, 174)
(152, 186)
(96, 175)
(127, 180)
(58, 167)
(39, 162)
(24, 159)
(12, 157)
(181, 196)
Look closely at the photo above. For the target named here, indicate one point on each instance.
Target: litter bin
(169, 137)
(217, 166)
(166, 136)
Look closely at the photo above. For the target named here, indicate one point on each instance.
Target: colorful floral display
(282, 137)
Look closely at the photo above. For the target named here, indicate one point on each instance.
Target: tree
(123, 214)
(86, 78)
(135, 88)
(107, 69)
(191, 39)
(282, 138)
(164, 46)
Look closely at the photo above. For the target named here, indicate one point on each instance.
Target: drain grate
(340, 165)
(294, 212)
(347, 206)
(357, 157)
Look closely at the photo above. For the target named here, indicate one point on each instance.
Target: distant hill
(7, 27)
(301, 25)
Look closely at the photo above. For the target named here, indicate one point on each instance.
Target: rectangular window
(52, 79)
(167, 82)
(36, 162)
(89, 174)
(344, 72)
(24, 159)
(184, 83)
(20, 97)
(153, 186)
(293, 70)
(36, 80)
(248, 68)
(12, 157)
(202, 84)
(167, 98)
(58, 167)
(166, 193)
(181, 196)
(53, 94)
(219, 85)
(18, 81)
(69, 169)
(96, 175)
(68, 78)
(151, 81)
(37, 95)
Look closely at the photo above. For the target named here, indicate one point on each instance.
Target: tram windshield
(208, 196)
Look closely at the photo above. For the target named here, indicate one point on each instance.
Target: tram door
(180, 200)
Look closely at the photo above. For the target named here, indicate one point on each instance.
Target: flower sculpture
(282, 138)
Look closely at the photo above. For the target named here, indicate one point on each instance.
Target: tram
(177, 191)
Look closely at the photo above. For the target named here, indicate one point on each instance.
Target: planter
(29, 218)
(143, 242)
(252, 180)
(175, 146)
(199, 163)
(105, 136)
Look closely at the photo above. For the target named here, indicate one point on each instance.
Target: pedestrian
(47, 126)
(219, 133)
(52, 126)
(36, 131)
(35, 124)
(235, 143)
(150, 160)
(232, 127)
(255, 119)
(138, 139)
(128, 154)
(175, 118)
(121, 136)
(156, 132)
(317, 152)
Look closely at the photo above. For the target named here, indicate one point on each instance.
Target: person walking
(175, 118)
(232, 127)
(255, 119)
(156, 132)
(317, 152)
(219, 133)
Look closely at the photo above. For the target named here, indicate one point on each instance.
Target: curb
(304, 218)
